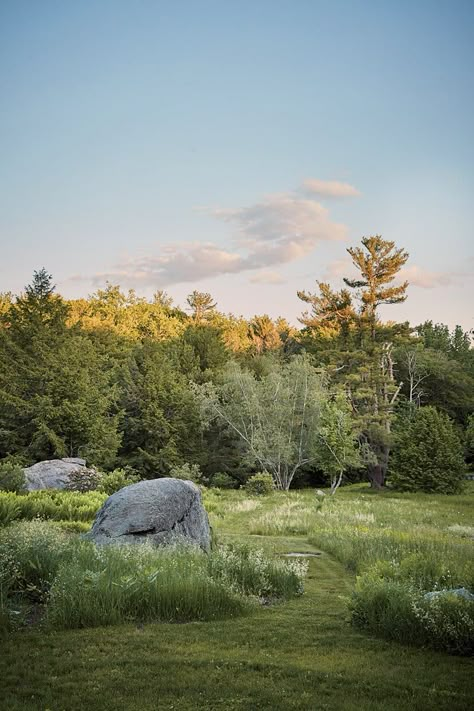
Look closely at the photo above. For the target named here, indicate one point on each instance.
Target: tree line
(125, 381)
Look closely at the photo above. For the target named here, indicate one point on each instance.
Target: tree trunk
(376, 476)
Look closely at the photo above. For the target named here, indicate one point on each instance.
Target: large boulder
(162, 511)
(52, 473)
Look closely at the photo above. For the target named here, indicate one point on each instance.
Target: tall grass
(400, 553)
(85, 585)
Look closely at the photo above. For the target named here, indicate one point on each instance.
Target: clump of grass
(110, 585)
(83, 585)
(250, 572)
(292, 518)
(399, 611)
(397, 566)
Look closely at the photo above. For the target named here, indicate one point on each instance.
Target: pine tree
(201, 305)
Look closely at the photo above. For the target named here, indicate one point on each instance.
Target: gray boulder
(52, 473)
(459, 592)
(161, 511)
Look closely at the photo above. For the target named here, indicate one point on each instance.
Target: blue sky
(237, 147)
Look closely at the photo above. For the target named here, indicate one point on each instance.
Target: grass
(302, 654)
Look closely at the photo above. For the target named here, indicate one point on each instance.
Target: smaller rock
(53, 473)
(459, 592)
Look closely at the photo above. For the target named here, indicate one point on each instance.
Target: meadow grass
(304, 654)
(84, 585)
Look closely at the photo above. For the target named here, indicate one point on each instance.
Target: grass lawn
(303, 654)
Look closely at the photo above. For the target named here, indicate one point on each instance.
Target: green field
(301, 654)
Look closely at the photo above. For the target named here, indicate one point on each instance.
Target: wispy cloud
(267, 277)
(279, 229)
(329, 188)
(426, 279)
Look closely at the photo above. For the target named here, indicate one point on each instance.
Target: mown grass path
(300, 655)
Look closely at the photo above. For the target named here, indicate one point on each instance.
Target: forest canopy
(126, 381)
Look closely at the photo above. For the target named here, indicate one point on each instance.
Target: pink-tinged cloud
(329, 188)
(278, 230)
(267, 277)
(426, 279)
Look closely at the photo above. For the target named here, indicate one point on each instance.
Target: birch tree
(278, 417)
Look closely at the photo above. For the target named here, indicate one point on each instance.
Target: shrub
(190, 472)
(30, 555)
(220, 480)
(12, 477)
(428, 455)
(117, 479)
(83, 479)
(248, 571)
(399, 611)
(260, 484)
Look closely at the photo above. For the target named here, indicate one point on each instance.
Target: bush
(117, 479)
(82, 480)
(9, 508)
(190, 472)
(428, 455)
(260, 484)
(396, 610)
(220, 480)
(12, 477)
(30, 555)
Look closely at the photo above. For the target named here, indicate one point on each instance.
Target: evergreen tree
(55, 391)
(428, 455)
(201, 305)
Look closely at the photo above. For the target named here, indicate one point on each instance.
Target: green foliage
(30, 555)
(398, 611)
(161, 425)
(9, 509)
(12, 477)
(54, 505)
(117, 479)
(189, 472)
(277, 417)
(428, 455)
(86, 585)
(260, 484)
(221, 480)
(83, 480)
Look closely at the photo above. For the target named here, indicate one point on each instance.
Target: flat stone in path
(301, 555)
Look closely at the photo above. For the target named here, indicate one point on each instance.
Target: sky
(238, 147)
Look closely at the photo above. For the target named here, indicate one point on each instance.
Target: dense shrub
(12, 477)
(221, 480)
(83, 480)
(117, 479)
(395, 609)
(30, 555)
(260, 484)
(428, 455)
(190, 472)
